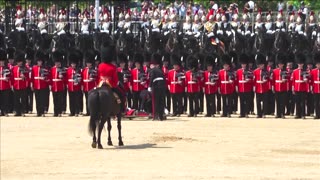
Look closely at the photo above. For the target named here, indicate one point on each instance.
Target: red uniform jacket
(165, 71)
(226, 82)
(40, 77)
(270, 70)
(210, 82)
(299, 81)
(289, 71)
(244, 82)
(88, 82)
(29, 68)
(126, 80)
(193, 82)
(19, 82)
(280, 80)
(74, 80)
(146, 71)
(107, 71)
(138, 84)
(315, 80)
(261, 80)
(57, 79)
(4, 79)
(176, 81)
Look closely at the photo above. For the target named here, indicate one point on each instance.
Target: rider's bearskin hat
(107, 53)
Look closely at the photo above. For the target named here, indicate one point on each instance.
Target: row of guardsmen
(284, 86)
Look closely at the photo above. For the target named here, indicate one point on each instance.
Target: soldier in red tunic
(210, 84)
(280, 86)
(29, 60)
(138, 80)
(244, 85)
(300, 78)
(226, 85)
(125, 77)
(74, 82)
(19, 79)
(165, 70)
(58, 76)
(261, 85)
(176, 85)
(290, 104)
(10, 55)
(88, 76)
(193, 84)
(309, 102)
(315, 85)
(4, 83)
(40, 79)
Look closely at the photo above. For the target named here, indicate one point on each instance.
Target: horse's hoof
(100, 146)
(110, 143)
(121, 143)
(94, 145)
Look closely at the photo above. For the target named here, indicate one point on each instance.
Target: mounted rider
(42, 22)
(246, 27)
(235, 24)
(210, 27)
(61, 24)
(127, 25)
(259, 24)
(106, 24)
(312, 27)
(300, 28)
(165, 22)
(292, 24)
(145, 20)
(187, 26)
(280, 25)
(85, 25)
(197, 27)
(269, 25)
(19, 21)
(156, 22)
(173, 25)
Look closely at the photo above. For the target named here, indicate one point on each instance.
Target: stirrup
(117, 98)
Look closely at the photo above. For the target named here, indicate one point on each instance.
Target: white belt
(18, 79)
(192, 82)
(87, 80)
(158, 79)
(40, 78)
(280, 81)
(55, 80)
(243, 81)
(71, 80)
(210, 83)
(4, 79)
(156, 30)
(226, 82)
(261, 82)
(176, 82)
(300, 81)
(317, 82)
(136, 81)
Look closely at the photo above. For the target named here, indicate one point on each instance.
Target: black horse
(152, 41)
(281, 42)
(3, 44)
(103, 105)
(173, 44)
(299, 43)
(101, 38)
(17, 39)
(209, 46)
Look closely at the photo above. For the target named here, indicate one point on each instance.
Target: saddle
(105, 82)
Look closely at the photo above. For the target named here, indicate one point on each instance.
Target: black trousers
(271, 103)
(290, 104)
(81, 102)
(177, 105)
(168, 100)
(74, 102)
(58, 102)
(310, 104)
(300, 104)
(201, 99)
(234, 101)
(29, 100)
(64, 100)
(20, 97)
(219, 102)
(4, 101)
(193, 103)
(40, 100)
(244, 103)
(129, 99)
(227, 104)
(211, 104)
(158, 102)
(251, 102)
(11, 101)
(87, 107)
(281, 99)
(262, 98)
(316, 100)
(185, 102)
(47, 100)
(136, 100)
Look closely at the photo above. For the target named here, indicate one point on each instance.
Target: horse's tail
(93, 103)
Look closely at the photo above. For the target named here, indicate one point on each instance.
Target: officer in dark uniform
(29, 60)
(157, 86)
(5, 88)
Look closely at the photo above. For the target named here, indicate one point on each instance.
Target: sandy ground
(179, 148)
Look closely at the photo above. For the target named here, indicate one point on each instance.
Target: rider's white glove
(239, 31)
(283, 30)
(149, 89)
(219, 32)
(269, 32)
(247, 32)
(228, 33)
(314, 33)
(165, 33)
(128, 31)
(210, 34)
(197, 34)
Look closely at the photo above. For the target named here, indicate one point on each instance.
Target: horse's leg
(119, 129)
(109, 132)
(101, 125)
(94, 139)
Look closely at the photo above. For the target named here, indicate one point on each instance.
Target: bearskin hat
(97, 56)
(122, 58)
(316, 58)
(251, 58)
(19, 56)
(244, 58)
(290, 57)
(281, 58)
(39, 56)
(156, 58)
(192, 62)
(107, 53)
(147, 57)
(260, 59)
(3, 55)
(138, 58)
(74, 57)
(10, 53)
(57, 56)
(309, 58)
(300, 58)
(270, 58)
(29, 54)
(166, 57)
(175, 60)
(210, 60)
(226, 59)
(234, 57)
(89, 56)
